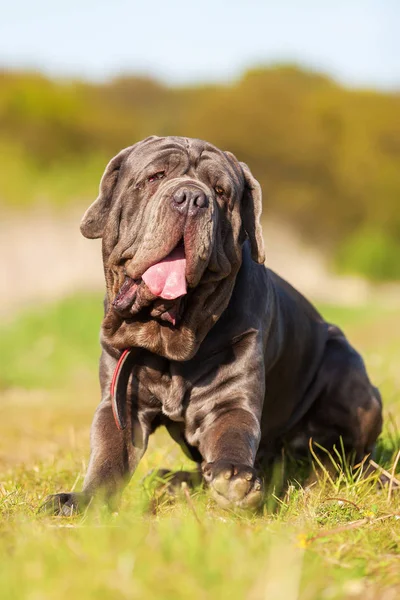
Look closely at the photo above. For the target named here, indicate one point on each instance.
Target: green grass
(52, 346)
(301, 546)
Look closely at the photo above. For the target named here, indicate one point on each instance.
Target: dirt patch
(45, 258)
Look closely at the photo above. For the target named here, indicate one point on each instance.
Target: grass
(53, 346)
(303, 545)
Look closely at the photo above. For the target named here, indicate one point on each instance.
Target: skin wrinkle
(197, 238)
(252, 366)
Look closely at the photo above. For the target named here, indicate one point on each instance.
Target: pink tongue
(167, 278)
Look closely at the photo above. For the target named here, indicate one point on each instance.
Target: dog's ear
(251, 214)
(95, 218)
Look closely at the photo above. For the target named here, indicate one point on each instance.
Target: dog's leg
(347, 414)
(115, 453)
(114, 457)
(229, 445)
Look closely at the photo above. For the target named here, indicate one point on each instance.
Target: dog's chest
(162, 380)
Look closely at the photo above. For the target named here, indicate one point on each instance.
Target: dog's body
(227, 355)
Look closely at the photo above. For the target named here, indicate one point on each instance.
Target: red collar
(118, 388)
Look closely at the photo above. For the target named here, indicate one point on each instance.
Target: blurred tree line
(327, 157)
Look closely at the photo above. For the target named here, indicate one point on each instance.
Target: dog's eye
(219, 191)
(158, 175)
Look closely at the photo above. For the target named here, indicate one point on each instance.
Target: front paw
(233, 485)
(65, 505)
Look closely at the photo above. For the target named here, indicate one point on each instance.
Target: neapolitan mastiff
(200, 337)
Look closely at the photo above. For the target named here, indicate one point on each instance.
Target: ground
(314, 539)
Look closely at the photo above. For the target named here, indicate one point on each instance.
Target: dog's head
(173, 214)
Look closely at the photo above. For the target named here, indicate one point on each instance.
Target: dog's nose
(190, 200)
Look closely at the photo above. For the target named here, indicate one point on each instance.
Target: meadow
(317, 538)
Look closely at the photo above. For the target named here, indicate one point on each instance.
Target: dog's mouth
(160, 290)
(167, 278)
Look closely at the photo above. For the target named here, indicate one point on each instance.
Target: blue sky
(356, 41)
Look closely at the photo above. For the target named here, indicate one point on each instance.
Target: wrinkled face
(173, 214)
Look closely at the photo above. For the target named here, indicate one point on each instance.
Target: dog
(198, 335)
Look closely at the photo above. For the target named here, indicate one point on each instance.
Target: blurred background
(306, 93)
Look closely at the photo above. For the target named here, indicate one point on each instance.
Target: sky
(179, 42)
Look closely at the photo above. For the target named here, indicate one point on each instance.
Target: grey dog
(198, 335)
